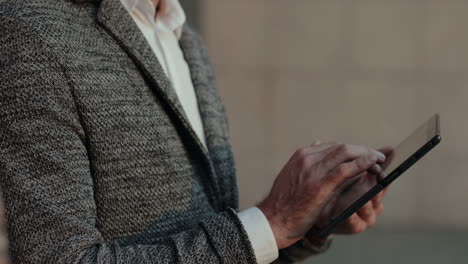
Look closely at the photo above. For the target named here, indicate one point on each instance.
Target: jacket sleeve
(46, 178)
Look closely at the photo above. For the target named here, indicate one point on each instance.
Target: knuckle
(344, 148)
(297, 153)
(340, 171)
(316, 142)
(330, 180)
(361, 164)
(356, 229)
(315, 188)
(349, 151)
(322, 193)
(305, 163)
(337, 175)
(300, 152)
(364, 162)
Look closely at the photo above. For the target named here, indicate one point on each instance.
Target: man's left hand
(363, 219)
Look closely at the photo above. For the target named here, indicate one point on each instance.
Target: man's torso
(150, 175)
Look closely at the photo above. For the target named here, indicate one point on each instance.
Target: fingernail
(381, 156)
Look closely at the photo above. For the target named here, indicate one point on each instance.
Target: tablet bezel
(405, 165)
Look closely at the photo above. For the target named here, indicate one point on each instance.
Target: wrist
(278, 226)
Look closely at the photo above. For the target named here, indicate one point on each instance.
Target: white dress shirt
(162, 31)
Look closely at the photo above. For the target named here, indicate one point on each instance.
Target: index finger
(346, 153)
(389, 153)
(348, 170)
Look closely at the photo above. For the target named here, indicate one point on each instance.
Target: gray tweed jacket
(98, 162)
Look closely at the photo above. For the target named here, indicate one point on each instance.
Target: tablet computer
(407, 153)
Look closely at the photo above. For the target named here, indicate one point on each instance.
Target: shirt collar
(170, 18)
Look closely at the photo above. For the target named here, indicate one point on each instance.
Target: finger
(389, 153)
(357, 224)
(345, 153)
(322, 147)
(378, 198)
(379, 209)
(367, 213)
(318, 142)
(353, 225)
(324, 150)
(377, 171)
(387, 150)
(351, 169)
(347, 184)
(318, 151)
(384, 191)
(313, 148)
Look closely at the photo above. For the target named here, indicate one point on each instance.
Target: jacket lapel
(209, 103)
(213, 115)
(114, 18)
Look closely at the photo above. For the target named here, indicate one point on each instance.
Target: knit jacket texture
(98, 161)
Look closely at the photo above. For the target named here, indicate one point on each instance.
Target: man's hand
(306, 184)
(365, 217)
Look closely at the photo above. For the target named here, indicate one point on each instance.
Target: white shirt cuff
(260, 235)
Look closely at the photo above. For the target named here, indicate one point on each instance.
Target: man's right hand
(307, 182)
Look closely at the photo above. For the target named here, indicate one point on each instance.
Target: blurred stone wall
(192, 11)
(357, 71)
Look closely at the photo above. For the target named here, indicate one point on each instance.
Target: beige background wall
(357, 71)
